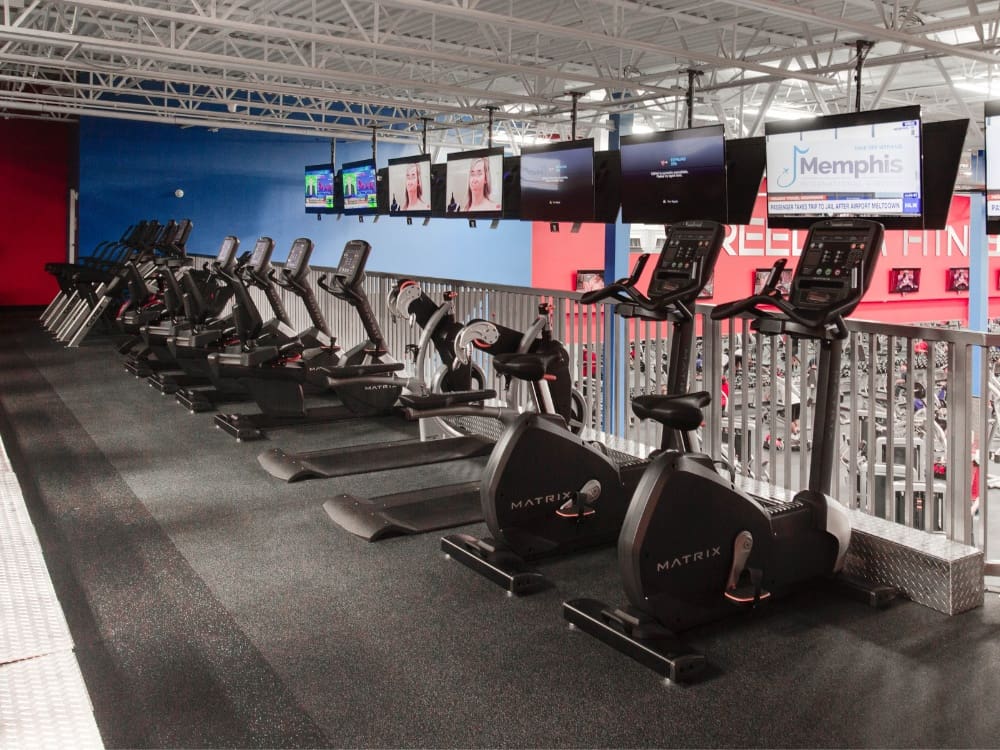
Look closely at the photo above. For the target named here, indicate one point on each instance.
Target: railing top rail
(905, 330)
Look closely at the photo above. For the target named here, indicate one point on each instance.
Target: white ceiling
(341, 68)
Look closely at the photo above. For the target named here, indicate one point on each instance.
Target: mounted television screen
(321, 191)
(360, 183)
(474, 184)
(957, 279)
(557, 182)
(410, 186)
(512, 187)
(607, 186)
(744, 174)
(439, 203)
(992, 110)
(382, 190)
(861, 164)
(903, 280)
(672, 176)
(945, 142)
(761, 275)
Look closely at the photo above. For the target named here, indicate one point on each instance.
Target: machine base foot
(491, 561)
(637, 636)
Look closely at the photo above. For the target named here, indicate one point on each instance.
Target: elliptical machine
(275, 375)
(696, 547)
(579, 498)
(249, 330)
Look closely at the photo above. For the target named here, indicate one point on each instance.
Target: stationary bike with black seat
(695, 546)
(577, 495)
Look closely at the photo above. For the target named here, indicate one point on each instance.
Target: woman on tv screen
(414, 200)
(480, 196)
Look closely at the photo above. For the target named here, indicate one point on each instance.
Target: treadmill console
(261, 256)
(351, 269)
(227, 253)
(687, 258)
(837, 266)
(297, 264)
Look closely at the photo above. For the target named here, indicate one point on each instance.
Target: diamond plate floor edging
(5, 466)
(31, 620)
(43, 699)
(44, 704)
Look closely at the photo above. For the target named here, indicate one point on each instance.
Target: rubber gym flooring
(215, 606)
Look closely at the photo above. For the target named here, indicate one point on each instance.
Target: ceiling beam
(539, 27)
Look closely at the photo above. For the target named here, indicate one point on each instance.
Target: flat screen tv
(674, 175)
(410, 186)
(859, 164)
(382, 190)
(744, 174)
(557, 182)
(360, 184)
(992, 111)
(761, 275)
(512, 187)
(607, 186)
(904, 280)
(944, 143)
(321, 193)
(957, 279)
(474, 184)
(439, 177)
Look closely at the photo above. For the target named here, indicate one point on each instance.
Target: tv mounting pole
(489, 133)
(576, 98)
(423, 144)
(863, 47)
(689, 97)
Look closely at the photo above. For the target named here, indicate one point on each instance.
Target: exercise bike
(695, 546)
(578, 495)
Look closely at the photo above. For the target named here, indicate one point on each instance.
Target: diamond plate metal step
(31, 619)
(44, 704)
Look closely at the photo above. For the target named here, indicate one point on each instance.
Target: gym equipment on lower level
(695, 547)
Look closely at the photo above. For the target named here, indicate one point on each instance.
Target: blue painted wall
(251, 184)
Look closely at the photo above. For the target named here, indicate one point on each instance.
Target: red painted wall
(35, 165)
(555, 256)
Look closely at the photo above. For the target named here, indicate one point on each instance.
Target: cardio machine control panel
(297, 264)
(837, 265)
(687, 258)
(227, 253)
(261, 256)
(353, 261)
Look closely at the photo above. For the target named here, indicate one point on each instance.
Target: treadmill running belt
(407, 512)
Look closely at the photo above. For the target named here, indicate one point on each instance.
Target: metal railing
(917, 428)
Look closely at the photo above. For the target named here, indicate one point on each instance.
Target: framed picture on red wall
(589, 279)
(957, 279)
(708, 290)
(904, 280)
(760, 276)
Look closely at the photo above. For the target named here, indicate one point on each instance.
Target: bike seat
(526, 366)
(680, 412)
